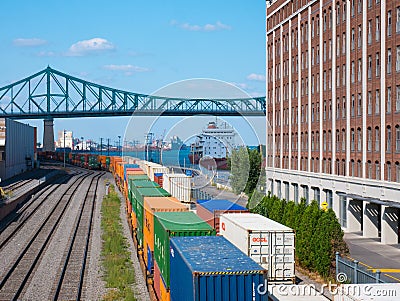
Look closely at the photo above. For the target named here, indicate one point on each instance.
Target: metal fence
(199, 194)
(351, 271)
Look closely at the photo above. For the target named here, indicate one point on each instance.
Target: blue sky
(139, 46)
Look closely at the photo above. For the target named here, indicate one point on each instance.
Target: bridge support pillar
(48, 135)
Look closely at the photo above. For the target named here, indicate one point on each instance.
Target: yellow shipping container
(151, 205)
(165, 294)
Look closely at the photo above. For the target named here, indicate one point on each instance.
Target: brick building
(333, 107)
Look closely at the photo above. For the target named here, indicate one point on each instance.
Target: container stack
(211, 210)
(267, 242)
(179, 185)
(212, 269)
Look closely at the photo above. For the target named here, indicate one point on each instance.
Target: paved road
(205, 185)
(374, 254)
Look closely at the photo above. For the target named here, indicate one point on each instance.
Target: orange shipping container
(164, 292)
(151, 205)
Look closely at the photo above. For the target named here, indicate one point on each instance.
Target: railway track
(17, 275)
(70, 282)
(15, 222)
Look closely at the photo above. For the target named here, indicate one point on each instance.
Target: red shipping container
(157, 280)
(211, 210)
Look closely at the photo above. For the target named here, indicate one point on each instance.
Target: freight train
(182, 255)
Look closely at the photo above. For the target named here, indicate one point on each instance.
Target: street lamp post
(82, 144)
(64, 146)
(119, 145)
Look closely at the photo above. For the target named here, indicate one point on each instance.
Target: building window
(389, 61)
(397, 172)
(369, 67)
(378, 65)
(397, 139)
(359, 43)
(369, 169)
(389, 23)
(329, 198)
(397, 98)
(325, 51)
(352, 139)
(398, 59)
(359, 105)
(343, 140)
(389, 100)
(305, 193)
(337, 76)
(352, 105)
(359, 138)
(388, 139)
(316, 194)
(377, 139)
(359, 168)
(369, 103)
(369, 31)
(353, 71)
(344, 75)
(344, 107)
(359, 70)
(377, 102)
(389, 171)
(377, 171)
(352, 8)
(377, 31)
(398, 19)
(352, 38)
(344, 43)
(369, 139)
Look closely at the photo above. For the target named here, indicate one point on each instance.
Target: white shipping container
(178, 185)
(157, 169)
(147, 166)
(267, 242)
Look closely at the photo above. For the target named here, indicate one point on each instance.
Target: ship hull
(208, 162)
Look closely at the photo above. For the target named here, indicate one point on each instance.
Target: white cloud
(33, 42)
(207, 27)
(46, 54)
(256, 77)
(91, 46)
(128, 70)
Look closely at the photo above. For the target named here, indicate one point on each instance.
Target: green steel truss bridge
(53, 94)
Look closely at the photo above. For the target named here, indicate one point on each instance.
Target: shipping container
(157, 169)
(170, 224)
(137, 207)
(210, 268)
(136, 182)
(151, 206)
(147, 165)
(210, 210)
(179, 185)
(267, 242)
(157, 280)
(130, 167)
(158, 178)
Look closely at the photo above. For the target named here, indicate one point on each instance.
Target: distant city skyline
(142, 48)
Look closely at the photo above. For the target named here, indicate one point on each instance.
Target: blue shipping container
(213, 205)
(129, 166)
(210, 268)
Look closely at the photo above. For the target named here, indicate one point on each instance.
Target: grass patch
(119, 273)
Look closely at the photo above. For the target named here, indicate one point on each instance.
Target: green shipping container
(171, 224)
(138, 203)
(138, 181)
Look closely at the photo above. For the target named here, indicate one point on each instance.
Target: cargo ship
(213, 146)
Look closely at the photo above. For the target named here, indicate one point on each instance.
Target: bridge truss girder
(53, 94)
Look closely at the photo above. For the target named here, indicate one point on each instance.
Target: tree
(239, 169)
(255, 170)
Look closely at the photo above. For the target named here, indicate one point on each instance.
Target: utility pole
(108, 146)
(119, 145)
(64, 146)
(101, 146)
